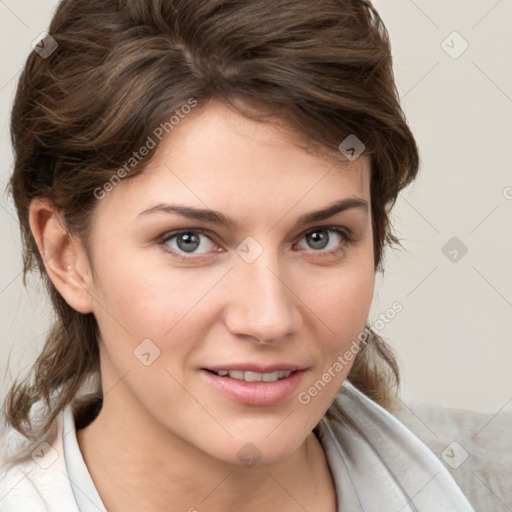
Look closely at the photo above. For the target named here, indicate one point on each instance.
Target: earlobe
(64, 258)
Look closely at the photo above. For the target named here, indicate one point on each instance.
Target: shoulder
(383, 459)
(33, 474)
(475, 447)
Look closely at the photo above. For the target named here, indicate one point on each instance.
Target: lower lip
(256, 393)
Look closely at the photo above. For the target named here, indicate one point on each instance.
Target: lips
(254, 384)
(250, 376)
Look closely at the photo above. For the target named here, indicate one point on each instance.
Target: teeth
(255, 376)
(270, 377)
(252, 376)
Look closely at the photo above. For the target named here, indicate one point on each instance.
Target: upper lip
(255, 367)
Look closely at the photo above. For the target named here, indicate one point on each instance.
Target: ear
(63, 255)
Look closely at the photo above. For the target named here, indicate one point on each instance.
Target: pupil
(189, 241)
(319, 239)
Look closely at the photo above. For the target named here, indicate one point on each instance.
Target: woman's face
(263, 296)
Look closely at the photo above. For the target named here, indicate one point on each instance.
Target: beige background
(453, 335)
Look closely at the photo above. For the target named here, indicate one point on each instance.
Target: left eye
(319, 238)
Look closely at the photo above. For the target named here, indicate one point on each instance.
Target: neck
(134, 467)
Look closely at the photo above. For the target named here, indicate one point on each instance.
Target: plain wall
(452, 336)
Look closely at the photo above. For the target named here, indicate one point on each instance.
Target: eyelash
(347, 239)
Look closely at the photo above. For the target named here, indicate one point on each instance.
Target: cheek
(342, 298)
(138, 299)
(347, 295)
(341, 311)
(341, 306)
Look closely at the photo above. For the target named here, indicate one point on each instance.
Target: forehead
(218, 157)
(215, 124)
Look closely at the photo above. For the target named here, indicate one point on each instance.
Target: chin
(263, 449)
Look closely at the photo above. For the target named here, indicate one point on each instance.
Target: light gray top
(85, 493)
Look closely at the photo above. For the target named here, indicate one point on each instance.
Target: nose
(262, 304)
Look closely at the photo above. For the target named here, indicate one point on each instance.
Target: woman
(205, 188)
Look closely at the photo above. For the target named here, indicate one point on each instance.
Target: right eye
(186, 241)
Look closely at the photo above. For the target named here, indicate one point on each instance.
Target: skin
(165, 438)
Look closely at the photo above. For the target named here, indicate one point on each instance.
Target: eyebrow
(216, 217)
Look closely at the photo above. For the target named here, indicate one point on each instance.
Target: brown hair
(122, 67)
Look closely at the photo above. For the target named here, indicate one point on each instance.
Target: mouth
(253, 384)
(251, 376)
